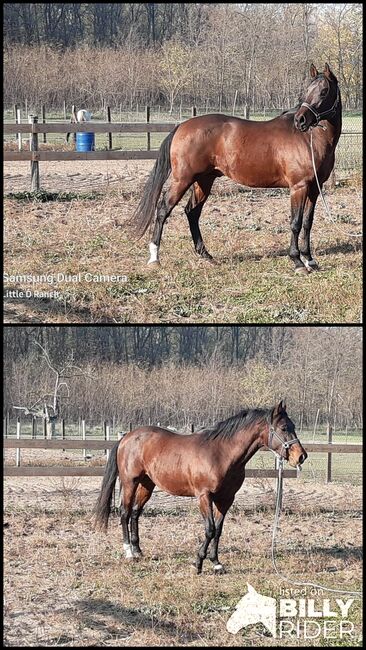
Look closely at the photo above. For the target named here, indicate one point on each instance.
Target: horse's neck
(335, 126)
(244, 445)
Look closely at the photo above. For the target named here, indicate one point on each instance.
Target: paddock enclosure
(68, 585)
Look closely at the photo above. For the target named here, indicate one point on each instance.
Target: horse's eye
(323, 92)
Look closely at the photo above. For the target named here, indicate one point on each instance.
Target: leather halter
(286, 444)
(330, 112)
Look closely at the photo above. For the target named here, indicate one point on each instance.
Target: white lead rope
(275, 527)
(326, 207)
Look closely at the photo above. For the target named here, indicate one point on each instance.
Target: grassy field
(246, 231)
(66, 585)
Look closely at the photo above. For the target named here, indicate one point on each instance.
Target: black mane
(227, 428)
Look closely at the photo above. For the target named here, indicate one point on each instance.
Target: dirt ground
(247, 231)
(66, 585)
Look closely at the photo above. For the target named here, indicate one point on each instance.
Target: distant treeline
(223, 56)
(178, 375)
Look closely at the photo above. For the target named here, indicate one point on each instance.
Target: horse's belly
(247, 170)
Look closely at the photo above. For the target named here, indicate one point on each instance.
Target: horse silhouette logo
(253, 608)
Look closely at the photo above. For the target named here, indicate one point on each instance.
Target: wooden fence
(35, 155)
(27, 443)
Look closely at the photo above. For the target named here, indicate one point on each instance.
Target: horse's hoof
(153, 265)
(219, 569)
(302, 269)
(311, 266)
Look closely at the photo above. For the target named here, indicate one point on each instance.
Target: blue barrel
(85, 142)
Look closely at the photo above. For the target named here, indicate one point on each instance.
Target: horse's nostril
(302, 458)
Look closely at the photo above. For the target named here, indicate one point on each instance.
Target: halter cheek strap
(285, 444)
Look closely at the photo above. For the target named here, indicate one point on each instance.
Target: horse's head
(320, 101)
(282, 438)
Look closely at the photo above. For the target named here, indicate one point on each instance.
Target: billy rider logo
(297, 616)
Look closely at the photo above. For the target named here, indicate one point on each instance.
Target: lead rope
(273, 550)
(326, 207)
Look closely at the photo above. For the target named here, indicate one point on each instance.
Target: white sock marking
(218, 567)
(310, 264)
(127, 550)
(154, 253)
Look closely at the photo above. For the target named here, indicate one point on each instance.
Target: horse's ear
(281, 406)
(313, 71)
(328, 73)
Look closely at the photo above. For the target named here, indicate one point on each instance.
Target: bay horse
(274, 153)
(209, 465)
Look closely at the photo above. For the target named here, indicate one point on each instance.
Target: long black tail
(145, 210)
(102, 508)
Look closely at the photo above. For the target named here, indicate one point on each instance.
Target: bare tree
(48, 405)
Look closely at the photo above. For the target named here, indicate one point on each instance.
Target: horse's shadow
(127, 619)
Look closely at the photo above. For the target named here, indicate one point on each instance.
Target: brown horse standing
(257, 154)
(209, 465)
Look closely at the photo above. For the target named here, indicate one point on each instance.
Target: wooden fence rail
(18, 443)
(28, 443)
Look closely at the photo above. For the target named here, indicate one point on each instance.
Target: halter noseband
(320, 116)
(286, 444)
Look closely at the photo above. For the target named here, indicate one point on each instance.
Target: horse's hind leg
(143, 494)
(168, 201)
(200, 192)
(128, 495)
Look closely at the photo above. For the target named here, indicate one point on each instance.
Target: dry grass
(67, 585)
(246, 231)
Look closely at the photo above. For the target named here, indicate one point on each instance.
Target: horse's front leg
(305, 248)
(219, 511)
(298, 200)
(205, 503)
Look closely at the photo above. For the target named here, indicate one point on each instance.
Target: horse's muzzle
(300, 123)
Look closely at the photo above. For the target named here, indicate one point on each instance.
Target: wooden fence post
(329, 463)
(192, 428)
(63, 430)
(17, 458)
(83, 432)
(194, 111)
(105, 433)
(19, 135)
(33, 119)
(34, 427)
(5, 426)
(44, 428)
(44, 121)
(147, 122)
(109, 120)
(107, 437)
